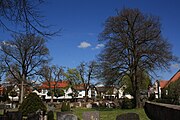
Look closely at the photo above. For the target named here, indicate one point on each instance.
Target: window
(166, 92)
(43, 91)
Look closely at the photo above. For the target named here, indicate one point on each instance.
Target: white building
(77, 92)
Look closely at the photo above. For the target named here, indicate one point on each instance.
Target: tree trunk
(86, 95)
(22, 91)
(52, 95)
(137, 99)
(12, 102)
(137, 93)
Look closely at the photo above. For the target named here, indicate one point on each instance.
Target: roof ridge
(172, 77)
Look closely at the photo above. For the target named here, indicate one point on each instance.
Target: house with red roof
(161, 84)
(53, 84)
(68, 90)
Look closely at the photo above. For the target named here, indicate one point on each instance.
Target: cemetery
(99, 60)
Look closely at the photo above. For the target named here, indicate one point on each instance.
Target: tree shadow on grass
(104, 109)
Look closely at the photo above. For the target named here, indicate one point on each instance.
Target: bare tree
(23, 57)
(87, 73)
(133, 43)
(2, 69)
(24, 14)
(52, 75)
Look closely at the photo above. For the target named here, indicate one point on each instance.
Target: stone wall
(159, 111)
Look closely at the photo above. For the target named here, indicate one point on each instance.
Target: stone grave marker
(51, 107)
(14, 115)
(89, 105)
(65, 116)
(128, 116)
(33, 116)
(3, 117)
(93, 115)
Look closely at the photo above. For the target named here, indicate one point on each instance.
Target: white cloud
(98, 46)
(84, 45)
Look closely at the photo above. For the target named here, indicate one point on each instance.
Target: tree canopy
(86, 72)
(23, 57)
(52, 75)
(133, 43)
(73, 76)
(144, 82)
(25, 14)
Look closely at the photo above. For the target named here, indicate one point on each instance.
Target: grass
(110, 114)
(105, 114)
(2, 111)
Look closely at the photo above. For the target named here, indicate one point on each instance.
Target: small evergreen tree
(32, 104)
(68, 106)
(50, 115)
(65, 107)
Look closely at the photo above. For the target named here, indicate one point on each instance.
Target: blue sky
(81, 22)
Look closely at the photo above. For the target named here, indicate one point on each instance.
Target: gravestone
(38, 115)
(14, 115)
(2, 117)
(128, 116)
(51, 107)
(65, 116)
(80, 104)
(89, 105)
(2, 106)
(93, 115)
(33, 116)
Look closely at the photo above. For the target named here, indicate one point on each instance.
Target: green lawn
(110, 114)
(105, 114)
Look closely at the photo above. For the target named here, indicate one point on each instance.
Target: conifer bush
(50, 115)
(31, 104)
(65, 107)
(127, 103)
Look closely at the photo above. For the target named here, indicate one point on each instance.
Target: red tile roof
(79, 87)
(60, 84)
(174, 78)
(163, 83)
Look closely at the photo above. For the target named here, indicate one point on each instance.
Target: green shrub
(50, 115)
(151, 97)
(99, 97)
(31, 104)
(167, 100)
(68, 108)
(65, 107)
(171, 94)
(49, 93)
(13, 93)
(127, 103)
(4, 97)
(59, 93)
